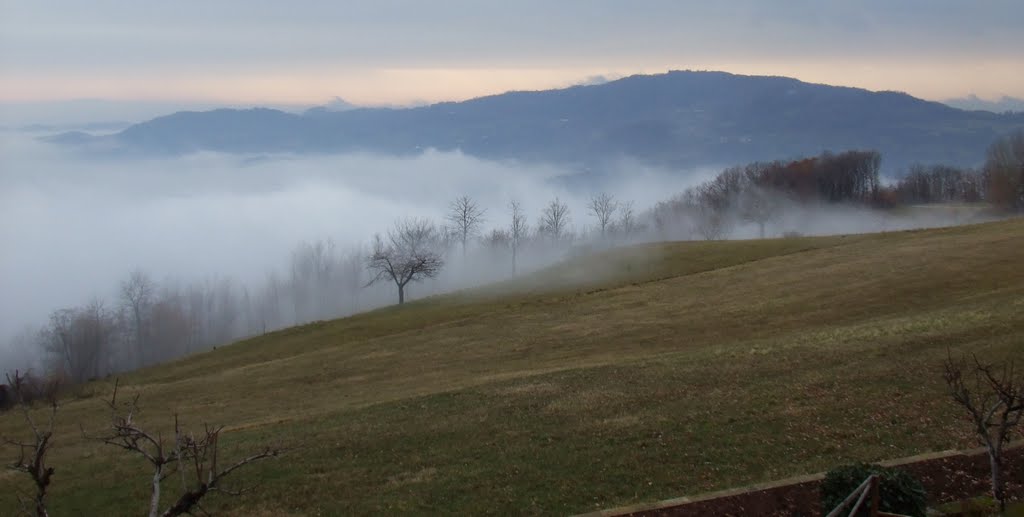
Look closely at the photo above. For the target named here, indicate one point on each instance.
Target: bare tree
(554, 219)
(270, 303)
(498, 239)
(185, 456)
(32, 454)
(517, 230)
(80, 340)
(626, 225)
(711, 223)
(408, 253)
(603, 207)
(994, 398)
(313, 267)
(758, 206)
(1004, 167)
(353, 267)
(137, 298)
(169, 326)
(465, 217)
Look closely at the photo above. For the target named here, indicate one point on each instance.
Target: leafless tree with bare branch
(137, 293)
(32, 454)
(603, 207)
(554, 219)
(626, 225)
(994, 398)
(466, 218)
(80, 340)
(517, 230)
(195, 460)
(408, 253)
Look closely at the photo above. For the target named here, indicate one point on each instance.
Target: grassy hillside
(637, 374)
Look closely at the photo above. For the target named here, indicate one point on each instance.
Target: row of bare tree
(152, 321)
(1000, 182)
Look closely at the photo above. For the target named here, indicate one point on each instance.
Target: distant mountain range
(973, 102)
(679, 119)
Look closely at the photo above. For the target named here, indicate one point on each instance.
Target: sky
(248, 52)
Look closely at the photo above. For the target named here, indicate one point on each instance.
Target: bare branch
(994, 400)
(32, 455)
(200, 456)
(603, 207)
(466, 218)
(409, 253)
(554, 220)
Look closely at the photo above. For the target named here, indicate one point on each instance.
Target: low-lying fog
(74, 226)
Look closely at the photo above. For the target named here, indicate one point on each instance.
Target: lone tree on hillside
(603, 207)
(408, 253)
(994, 398)
(466, 218)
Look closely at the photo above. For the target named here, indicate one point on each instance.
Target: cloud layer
(120, 49)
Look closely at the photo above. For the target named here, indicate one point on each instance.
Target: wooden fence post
(875, 496)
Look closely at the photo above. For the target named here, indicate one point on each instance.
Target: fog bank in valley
(74, 226)
(234, 245)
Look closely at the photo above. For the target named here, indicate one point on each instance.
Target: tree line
(759, 192)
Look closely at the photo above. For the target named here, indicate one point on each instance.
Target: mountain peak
(680, 119)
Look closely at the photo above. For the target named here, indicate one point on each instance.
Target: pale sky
(403, 51)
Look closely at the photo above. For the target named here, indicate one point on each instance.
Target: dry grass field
(630, 375)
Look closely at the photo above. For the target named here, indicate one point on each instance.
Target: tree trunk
(761, 227)
(401, 294)
(998, 492)
(140, 353)
(154, 500)
(997, 489)
(41, 507)
(513, 260)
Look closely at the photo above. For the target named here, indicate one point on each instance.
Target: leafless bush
(30, 388)
(194, 459)
(32, 453)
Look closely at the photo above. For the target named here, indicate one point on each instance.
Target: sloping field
(637, 374)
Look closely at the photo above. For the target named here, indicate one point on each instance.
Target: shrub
(27, 388)
(899, 492)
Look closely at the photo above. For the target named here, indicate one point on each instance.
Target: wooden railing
(866, 493)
